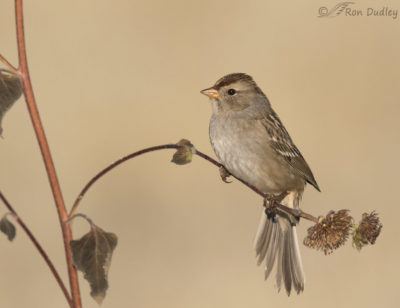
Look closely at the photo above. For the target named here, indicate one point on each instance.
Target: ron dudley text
(385, 12)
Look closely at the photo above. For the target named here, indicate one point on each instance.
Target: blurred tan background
(112, 77)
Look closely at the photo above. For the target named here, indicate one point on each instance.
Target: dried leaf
(10, 91)
(91, 255)
(367, 231)
(330, 232)
(8, 228)
(184, 154)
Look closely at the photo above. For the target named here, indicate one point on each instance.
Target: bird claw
(270, 207)
(270, 203)
(224, 174)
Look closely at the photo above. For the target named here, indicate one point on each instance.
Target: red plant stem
(38, 247)
(295, 212)
(45, 150)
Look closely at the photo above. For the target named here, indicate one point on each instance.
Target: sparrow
(251, 142)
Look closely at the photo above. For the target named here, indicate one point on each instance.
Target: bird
(253, 145)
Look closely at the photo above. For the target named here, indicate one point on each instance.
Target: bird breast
(242, 146)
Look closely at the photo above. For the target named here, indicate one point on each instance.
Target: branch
(39, 248)
(295, 212)
(112, 166)
(45, 150)
(8, 64)
(327, 234)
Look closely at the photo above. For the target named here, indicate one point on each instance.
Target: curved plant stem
(89, 221)
(45, 150)
(112, 166)
(8, 64)
(294, 212)
(38, 247)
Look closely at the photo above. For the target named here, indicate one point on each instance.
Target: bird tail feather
(276, 242)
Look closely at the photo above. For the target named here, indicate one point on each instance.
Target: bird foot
(224, 174)
(270, 203)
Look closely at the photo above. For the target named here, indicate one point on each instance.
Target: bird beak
(210, 92)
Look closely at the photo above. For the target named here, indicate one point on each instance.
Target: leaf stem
(38, 247)
(294, 212)
(82, 216)
(45, 150)
(8, 64)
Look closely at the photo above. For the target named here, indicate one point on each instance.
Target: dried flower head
(367, 231)
(184, 154)
(330, 232)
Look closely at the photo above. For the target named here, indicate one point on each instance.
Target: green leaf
(91, 255)
(184, 154)
(10, 91)
(8, 228)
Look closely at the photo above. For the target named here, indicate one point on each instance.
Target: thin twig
(112, 166)
(90, 221)
(307, 216)
(295, 212)
(38, 247)
(45, 150)
(8, 64)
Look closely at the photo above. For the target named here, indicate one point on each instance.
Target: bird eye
(231, 91)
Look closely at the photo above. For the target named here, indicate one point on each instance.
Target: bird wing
(283, 145)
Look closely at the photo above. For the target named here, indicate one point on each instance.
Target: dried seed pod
(184, 154)
(367, 231)
(330, 232)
